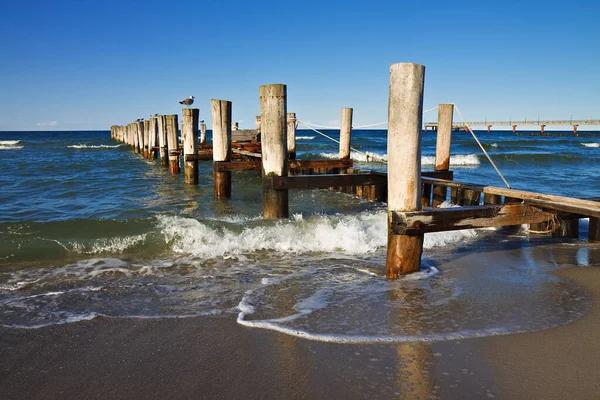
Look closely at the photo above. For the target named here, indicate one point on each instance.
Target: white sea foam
(305, 137)
(457, 160)
(113, 245)
(591, 144)
(349, 234)
(9, 142)
(93, 146)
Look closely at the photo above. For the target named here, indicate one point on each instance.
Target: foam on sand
(94, 146)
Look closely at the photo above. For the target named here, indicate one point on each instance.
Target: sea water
(88, 228)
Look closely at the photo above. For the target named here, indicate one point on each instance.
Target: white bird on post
(188, 102)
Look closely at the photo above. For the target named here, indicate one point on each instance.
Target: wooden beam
(449, 219)
(293, 164)
(247, 153)
(322, 181)
(588, 208)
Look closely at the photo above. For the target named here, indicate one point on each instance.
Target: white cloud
(47, 123)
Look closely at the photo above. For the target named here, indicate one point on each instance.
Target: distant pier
(461, 126)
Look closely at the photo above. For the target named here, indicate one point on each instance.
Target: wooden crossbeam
(588, 208)
(456, 218)
(322, 181)
(293, 164)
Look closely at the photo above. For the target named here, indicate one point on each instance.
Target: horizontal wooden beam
(293, 164)
(198, 157)
(456, 218)
(322, 181)
(246, 153)
(588, 208)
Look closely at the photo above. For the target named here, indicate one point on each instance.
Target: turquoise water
(90, 229)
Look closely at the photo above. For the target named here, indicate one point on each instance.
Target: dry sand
(214, 358)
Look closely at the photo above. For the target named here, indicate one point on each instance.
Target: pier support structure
(489, 128)
(203, 133)
(575, 129)
(542, 128)
(146, 139)
(514, 128)
(442, 149)
(291, 135)
(345, 133)
(162, 140)
(405, 113)
(273, 111)
(189, 131)
(172, 126)
(152, 132)
(221, 117)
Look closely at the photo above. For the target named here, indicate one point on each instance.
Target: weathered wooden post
(152, 130)
(162, 140)
(172, 143)
(291, 135)
(273, 110)
(594, 230)
(189, 131)
(221, 117)
(140, 134)
(442, 149)
(405, 114)
(146, 139)
(203, 133)
(134, 134)
(345, 133)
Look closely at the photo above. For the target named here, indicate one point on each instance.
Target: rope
(367, 126)
(481, 146)
(368, 157)
(431, 109)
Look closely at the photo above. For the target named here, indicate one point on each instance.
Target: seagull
(153, 115)
(188, 102)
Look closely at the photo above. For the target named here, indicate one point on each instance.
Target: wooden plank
(322, 181)
(293, 164)
(448, 219)
(247, 153)
(578, 206)
(244, 135)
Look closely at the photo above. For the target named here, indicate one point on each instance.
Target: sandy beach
(215, 358)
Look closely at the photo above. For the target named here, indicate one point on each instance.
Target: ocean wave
(93, 146)
(10, 147)
(9, 142)
(591, 144)
(457, 160)
(350, 234)
(305, 137)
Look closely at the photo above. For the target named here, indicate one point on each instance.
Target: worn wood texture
(162, 140)
(172, 125)
(291, 135)
(405, 112)
(322, 181)
(585, 207)
(470, 198)
(273, 113)
(152, 137)
(566, 228)
(202, 133)
(345, 132)
(140, 135)
(444, 137)
(456, 218)
(146, 138)
(426, 195)
(244, 135)
(189, 131)
(221, 117)
(292, 164)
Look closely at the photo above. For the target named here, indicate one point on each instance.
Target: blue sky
(71, 65)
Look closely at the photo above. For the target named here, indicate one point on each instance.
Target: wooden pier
(412, 195)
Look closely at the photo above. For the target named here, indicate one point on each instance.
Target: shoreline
(214, 357)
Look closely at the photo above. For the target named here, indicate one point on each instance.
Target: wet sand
(215, 358)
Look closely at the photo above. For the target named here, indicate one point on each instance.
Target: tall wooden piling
(442, 149)
(162, 140)
(203, 133)
(405, 109)
(291, 135)
(345, 133)
(140, 135)
(173, 143)
(152, 133)
(221, 117)
(146, 139)
(189, 131)
(273, 111)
